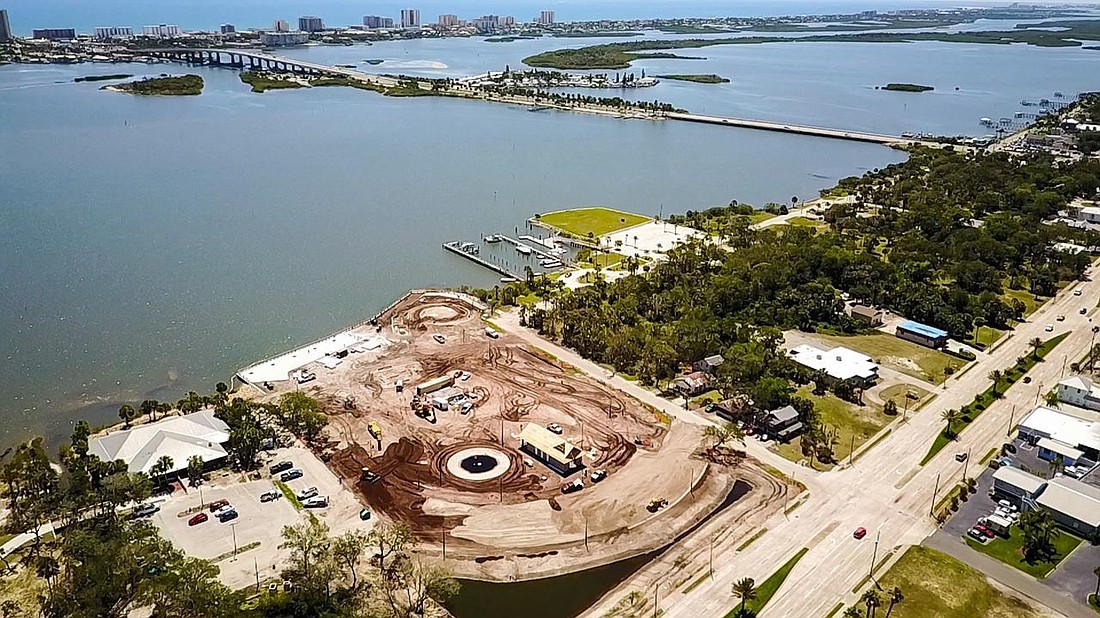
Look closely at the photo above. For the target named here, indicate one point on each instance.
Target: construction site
(502, 460)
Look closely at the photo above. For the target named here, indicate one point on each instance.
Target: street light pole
(874, 556)
(233, 527)
(932, 507)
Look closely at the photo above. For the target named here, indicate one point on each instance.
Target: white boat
(550, 263)
(524, 249)
(508, 280)
(493, 238)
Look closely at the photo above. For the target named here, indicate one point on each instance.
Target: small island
(907, 87)
(703, 78)
(262, 81)
(165, 85)
(374, 61)
(510, 39)
(103, 78)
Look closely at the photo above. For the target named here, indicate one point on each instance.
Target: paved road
(886, 490)
(956, 548)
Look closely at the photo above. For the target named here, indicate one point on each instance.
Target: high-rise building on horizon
(410, 18)
(161, 31)
(281, 25)
(5, 27)
(546, 18)
(107, 33)
(54, 34)
(376, 21)
(448, 20)
(310, 23)
(228, 28)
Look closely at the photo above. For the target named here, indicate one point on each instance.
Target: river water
(155, 245)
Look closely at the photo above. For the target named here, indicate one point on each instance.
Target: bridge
(242, 58)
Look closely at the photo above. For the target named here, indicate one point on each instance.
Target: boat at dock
(550, 263)
(508, 280)
(493, 238)
(524, 249)
(538, 108)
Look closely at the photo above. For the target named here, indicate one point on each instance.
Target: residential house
(781, 424)
(709, 364)
(691, 385)
(870, 316)
(1079, 391)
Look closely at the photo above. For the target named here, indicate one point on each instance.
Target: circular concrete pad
(491, 463)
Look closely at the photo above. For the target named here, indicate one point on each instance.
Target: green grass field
(986, 336)
(766, 590)
(606, 260)
(1010, 551)
(904, 356)
(806, 222)
(597, 221)
(938, 586)
(898, 393)
(853, 425)
(1030, 301)
(760, 216)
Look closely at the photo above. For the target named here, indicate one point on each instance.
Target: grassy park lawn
(904, 356)
(1030, 301)
(986, 336)
(853, 425)
(702, 400)
(1011, 551)
(760, 216)
(898, 394)
(597, 221)
(766, 590)
(938, 586)
(806, 222)
(606, 260)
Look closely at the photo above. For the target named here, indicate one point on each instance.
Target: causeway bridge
(252, 59)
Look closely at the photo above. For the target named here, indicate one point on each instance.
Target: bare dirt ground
(518, 525)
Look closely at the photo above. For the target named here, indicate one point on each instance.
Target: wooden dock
(497, 268)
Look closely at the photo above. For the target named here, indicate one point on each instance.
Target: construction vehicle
(375, 430)
(656, 504)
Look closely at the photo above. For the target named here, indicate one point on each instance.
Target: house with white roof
(1079, 391)
(1061, 433)
(840, 364)
(178, 437)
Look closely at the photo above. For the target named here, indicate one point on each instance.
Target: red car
(197, 519)
(217, 504)
(860, 532)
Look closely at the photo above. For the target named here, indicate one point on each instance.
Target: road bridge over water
(243, 58)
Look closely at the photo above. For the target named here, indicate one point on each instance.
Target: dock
(453, 247)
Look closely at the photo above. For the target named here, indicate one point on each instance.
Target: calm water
(154, 245)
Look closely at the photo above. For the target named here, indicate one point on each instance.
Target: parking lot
(258, 522)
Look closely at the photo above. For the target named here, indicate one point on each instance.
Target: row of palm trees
(745, 590)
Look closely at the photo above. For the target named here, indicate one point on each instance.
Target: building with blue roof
(923, 334)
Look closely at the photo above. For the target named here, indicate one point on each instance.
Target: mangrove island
(907, 87)
(699, 78)
(165, 85)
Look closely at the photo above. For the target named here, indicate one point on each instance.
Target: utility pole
(256, 566)
(656, 586)
(586, 533)
(1011, 415)
(444, 543)
(233, 527)
(874, 556)
(852, 449)
(932, 507)
(966, 462)
(712, 557)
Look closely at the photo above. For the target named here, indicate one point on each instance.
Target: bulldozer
(656, 504)
(375, 430)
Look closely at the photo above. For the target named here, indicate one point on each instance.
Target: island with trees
(698, 78)
(103, 78)
(165, 85)
(899, 87)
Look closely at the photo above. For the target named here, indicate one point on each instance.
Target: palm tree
(996, 376)
(950, 416)
(853, 612)
(1057, 466)
(127, 414)
(160, 469)
(1035, 344)
(1051, 399)
(744, 589)
(895, 597)
(1096, 572)
(872, 601)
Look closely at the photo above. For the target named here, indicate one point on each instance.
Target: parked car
(975, 534)
(1061, 318)
(316, 502)
(145, 510)
(309, 492)
(598, 475)
(860, 532)
(465, 375)
(218, 504)
(290, 475)
(960, 456)
(227, 515)
(572, 486)
(1049, 328)
(556, 428)
(197, 519)
(439, 338)
(282, 466)
(1083, 311)
(492, 334)
(364, 514)
(268, 496)
(368, 476)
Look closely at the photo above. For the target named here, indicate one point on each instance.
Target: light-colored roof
(1061, 448)
(786, 413)
(550, 443)
(1080, 501)
(865, 311)
(178, 437)
(1018, 478)
(1078, 382)
(1071, 430)
(922, 329)
(839, 363)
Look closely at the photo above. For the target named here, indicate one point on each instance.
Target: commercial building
(283, 39)
(54, 34)
(923, 334)
(410, 18)
(448, 21)
(107, 33)
(161, 31)
(840, 364)
(375, 21)
(1079, 391)
(1074, 505)
(180, 438)
(310, 23)
(228, 28)
(1061, 434)
(281, 25)
(546, 18)
(5, 27)
(550, 448)
(1015, 485)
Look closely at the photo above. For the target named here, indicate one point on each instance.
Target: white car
(1049, 328)
(307, 493)
(556, 428)
(316, 502)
